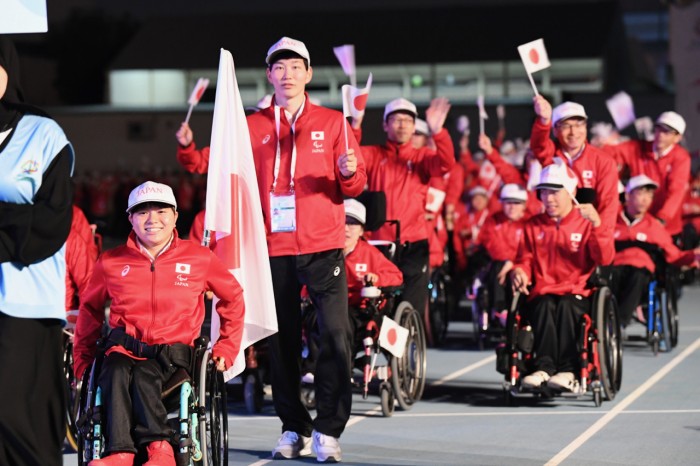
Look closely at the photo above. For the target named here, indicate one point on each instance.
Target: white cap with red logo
(150, 191)
(567, 110)
(512, 192)
(640, 181)
(558, 176)
(355, 209)
(288, 44)
(673, 121)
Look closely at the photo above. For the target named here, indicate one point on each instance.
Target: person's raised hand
(543, 109)
(184, 135)
(436, 114)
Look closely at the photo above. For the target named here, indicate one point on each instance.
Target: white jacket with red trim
(403, 173)
(558, 258)
(159, 302)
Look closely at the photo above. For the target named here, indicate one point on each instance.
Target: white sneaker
(291, 445)
(564, 381)
(326, 447)
(535, 380)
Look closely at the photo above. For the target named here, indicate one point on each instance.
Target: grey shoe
(326, 447)
(291, 445)
(535, 380)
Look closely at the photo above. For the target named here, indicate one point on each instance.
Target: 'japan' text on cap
(355, 209)
(673, 121)
(400, 105)
(292, 45)
(567, 110)
(150, 191)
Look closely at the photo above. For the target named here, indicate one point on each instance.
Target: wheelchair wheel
(72, 393)
(480, 319)
(437, 309)
(387, 399)
(672, 305)
(408, 372)
(213, 424)
(665, 343)
(609, 342)
(90, 439)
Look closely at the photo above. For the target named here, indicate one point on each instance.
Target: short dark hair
(283, 54)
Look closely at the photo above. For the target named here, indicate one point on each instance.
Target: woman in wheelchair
(560, 251)
(639, 239)
(156, 283)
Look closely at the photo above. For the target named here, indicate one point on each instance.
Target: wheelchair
(662, 309)
(72, 391)
(600, 348)
(488, 329)
(196, 405)
(441, 302)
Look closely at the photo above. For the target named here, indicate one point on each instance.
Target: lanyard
(278, 153)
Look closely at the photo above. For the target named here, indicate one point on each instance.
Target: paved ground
(461, 420)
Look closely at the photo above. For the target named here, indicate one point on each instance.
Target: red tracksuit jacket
(560, 257)
(403, 173)
(364, 259)
(671, 172)
(501, 236)
(647, 230)
(159, 303)
(319, 186)
(595, 169)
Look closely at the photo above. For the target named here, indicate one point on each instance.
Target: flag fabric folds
(621, 109)
(355, 100)
(393, 337)
(198, 91)
(346, 56)
(234, 212)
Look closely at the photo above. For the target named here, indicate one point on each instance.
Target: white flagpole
(532, 82)
(189, 113)
(481, 124)
(345, 130)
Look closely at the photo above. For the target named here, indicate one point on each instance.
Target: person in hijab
(36, 162)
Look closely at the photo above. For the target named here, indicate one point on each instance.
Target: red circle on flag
(392, 336)
(360, 102)
(534, 56)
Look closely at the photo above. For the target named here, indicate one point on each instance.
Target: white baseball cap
(478, 190)
(355, 209)
(287, 43)
(150, 191)
(640, 181)
(400, 105)
(673, 121)
(567, 110)
(513, 192)
(422, 127)
(558, 176)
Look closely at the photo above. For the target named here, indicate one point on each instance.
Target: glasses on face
(665, 129)
(398, 121)
(571, 126)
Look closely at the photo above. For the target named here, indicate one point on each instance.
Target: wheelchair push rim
(408, 372)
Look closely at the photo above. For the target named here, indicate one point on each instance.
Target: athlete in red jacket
(559, 253)
(403, 173)
(635, 233)
(595, 169)
(155, 283)
(301, 192)
(664, 161)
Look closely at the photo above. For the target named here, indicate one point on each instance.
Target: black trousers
(323, 274)
(629, 285)
(135, 414)
(500, 296)
(413, 263)
(556, 322)
(32, 392)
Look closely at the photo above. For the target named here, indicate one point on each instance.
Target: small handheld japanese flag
(463, 124)
(482, 113)
(346, 57)
(196, 95)
(621, 108)
(534, 57)
(392, 337)
(355, 100)
(434, 200)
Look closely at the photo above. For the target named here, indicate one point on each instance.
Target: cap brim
(512, 199)
(148, 201)
(549, 186)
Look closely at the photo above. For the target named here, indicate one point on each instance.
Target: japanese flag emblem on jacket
(182, 268)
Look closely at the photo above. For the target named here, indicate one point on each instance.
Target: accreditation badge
(284, 212)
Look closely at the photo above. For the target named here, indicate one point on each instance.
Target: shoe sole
(280, 456)
(330, 459)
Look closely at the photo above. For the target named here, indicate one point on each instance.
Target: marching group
(542, 224)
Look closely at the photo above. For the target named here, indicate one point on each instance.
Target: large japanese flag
(534, 56)
(392, 337)
(355, 100)
(234, 212)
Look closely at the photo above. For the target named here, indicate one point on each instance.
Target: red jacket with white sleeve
(559, 257)
(364, 259)
(318, 184)
(403, 173)
(649, 230)
(670, 171)
(158, 302)
(594, 168)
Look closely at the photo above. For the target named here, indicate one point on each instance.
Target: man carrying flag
(303, 171)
